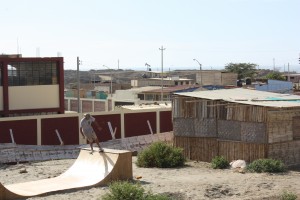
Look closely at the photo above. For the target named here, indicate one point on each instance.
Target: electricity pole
(200, 71)
(78, 86)
(162, 71)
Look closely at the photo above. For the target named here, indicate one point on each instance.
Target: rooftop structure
(237, 124)
(31, 86)
(250, 97)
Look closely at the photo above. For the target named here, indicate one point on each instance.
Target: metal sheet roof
(247, 96)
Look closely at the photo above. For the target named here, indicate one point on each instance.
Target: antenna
(18, 46)
(38, 52)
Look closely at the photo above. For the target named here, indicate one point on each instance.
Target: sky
(126, 34)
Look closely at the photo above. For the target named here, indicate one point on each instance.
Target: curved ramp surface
(94, 169)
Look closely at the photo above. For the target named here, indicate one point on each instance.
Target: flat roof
(142, 89)
(146, 106)
(172, 79)
(247, 96)
(172, 89)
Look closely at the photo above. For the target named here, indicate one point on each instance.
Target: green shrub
(124, 190)
(219, 162)
(160, 155)
(266, 165)
(288, 196)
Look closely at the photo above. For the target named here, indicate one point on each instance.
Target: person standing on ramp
(87, 130)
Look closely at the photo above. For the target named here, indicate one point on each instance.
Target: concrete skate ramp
(95, 169)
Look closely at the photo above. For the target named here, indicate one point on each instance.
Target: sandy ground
(197, 180)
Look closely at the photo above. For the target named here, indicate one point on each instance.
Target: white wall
(125, 94)
(33, 97)
(103, 88)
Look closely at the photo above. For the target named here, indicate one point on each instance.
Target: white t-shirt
(86, 125)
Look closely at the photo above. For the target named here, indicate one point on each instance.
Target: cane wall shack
(237, 124)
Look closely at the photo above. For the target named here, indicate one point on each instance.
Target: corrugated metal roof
(247, 96)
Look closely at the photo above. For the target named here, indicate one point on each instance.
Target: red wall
(104, 134)
(136, 123)
(166, 124)
(67, 127)
(99, 106)
(73, 105)
(24, 131)
(87, 106)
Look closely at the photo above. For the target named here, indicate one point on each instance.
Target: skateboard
(96, 149)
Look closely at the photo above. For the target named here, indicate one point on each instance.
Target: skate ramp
(88, 170)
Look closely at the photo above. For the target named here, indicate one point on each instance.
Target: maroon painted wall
(166, 124)
(24, 131)
(73, 105)
(87, 106)
(136, 123)
(99, 106)
(104, 134)
(67, 127)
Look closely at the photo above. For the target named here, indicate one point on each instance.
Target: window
(32, 73)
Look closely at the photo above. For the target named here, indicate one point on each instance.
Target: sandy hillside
(194, 181)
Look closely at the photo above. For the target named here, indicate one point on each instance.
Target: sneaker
(101, 150)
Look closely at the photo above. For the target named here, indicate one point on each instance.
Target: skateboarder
(87, 130)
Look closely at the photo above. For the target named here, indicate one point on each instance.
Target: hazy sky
(101, 32)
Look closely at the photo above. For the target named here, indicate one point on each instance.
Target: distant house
(149, 94)
(295, 79)
(152, 78)
(216, 77)
(165, 93)
(31, 86)
(276, 86)
(237, 124)
(165, 82)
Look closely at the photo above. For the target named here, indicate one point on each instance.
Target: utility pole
(289, 79)
(117, 75)
(78, 86)
(162, 72)
(200, 71)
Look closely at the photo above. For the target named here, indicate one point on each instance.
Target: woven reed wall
(222, 129)
(241, 150)
(204, 149)
(288, 152)
(206, 128)
(195, 148)
(195, 127)
(282, 125)
(190, 107)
